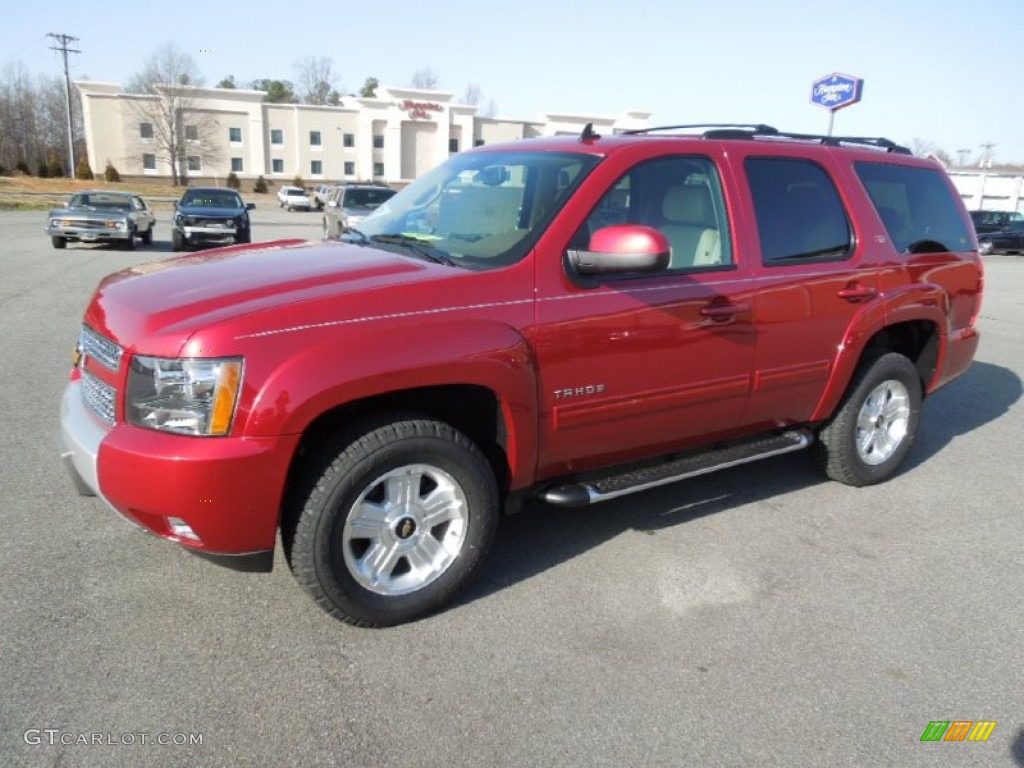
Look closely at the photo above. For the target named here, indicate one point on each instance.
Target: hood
(159, 305)
(205, 212)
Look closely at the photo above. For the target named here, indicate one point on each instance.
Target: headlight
(114, 224)
(186, 396)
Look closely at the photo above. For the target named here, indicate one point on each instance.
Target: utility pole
(963, 153)
(62, 42)
(986, 155)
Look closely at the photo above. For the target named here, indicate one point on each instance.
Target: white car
(294, 197)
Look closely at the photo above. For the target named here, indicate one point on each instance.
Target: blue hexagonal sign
(836, 91)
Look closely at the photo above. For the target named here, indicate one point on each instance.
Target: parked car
(99, 216)
(348, 204)
(567, 319)
(320, 194)
(210, 216)
(1010, 239)
(994, 221)
(294, 197)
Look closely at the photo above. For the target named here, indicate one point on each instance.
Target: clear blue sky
(945, 71)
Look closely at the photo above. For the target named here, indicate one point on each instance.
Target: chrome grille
(99, 398)
(100, 348)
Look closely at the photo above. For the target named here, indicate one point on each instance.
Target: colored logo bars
(958, 730)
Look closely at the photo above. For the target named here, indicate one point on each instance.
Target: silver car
(98, 216)
(349, 204)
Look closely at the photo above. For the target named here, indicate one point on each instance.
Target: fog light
(181, 529)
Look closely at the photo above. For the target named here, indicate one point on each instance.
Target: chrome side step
(632, 481)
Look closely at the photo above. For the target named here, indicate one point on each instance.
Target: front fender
(337, 369)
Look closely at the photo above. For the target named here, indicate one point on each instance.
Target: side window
(916, 206)
(798, 210)
(681, 197)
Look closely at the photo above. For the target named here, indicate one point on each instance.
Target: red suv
(570, 319)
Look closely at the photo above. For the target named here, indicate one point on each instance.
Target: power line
(62, 45)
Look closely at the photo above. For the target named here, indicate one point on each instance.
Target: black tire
(129, 243)
(59, 243)
(421, 567)
(243, 238)
(876, 422)
(147, 236)
(177, 240)
(326, 229)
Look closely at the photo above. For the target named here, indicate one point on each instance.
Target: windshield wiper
(416, 245)
(362, 238)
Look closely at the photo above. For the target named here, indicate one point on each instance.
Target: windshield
(367, 198)
(200, 199)
(479, 209)
(101, 202)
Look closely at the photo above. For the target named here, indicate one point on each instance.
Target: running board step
(623, 483)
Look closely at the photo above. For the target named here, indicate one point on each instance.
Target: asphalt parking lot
(756, 617)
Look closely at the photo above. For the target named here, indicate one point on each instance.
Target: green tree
(227, 82)
(110, 173)
(82, 170)
(278, 91)
(260, 185)
(55, 168)
(233, 182)
(369, 89)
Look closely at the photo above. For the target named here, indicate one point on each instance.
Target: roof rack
(740, 131)
(746, 127)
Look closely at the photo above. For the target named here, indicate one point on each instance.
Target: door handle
(723, 311)
(856, 292)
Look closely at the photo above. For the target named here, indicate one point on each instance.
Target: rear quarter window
(916, 206)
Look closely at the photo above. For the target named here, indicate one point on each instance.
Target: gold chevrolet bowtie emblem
(76, 356)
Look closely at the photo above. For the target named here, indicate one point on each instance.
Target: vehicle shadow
(541, 536)
(1017, 748)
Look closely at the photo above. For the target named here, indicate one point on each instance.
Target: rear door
(814, 271)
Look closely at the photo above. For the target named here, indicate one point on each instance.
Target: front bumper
(226, 491)
(87, 234)
(211, 234)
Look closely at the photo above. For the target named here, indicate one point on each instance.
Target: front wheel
(59, 242)
(177, 240)
(875, 425)
(147, 236)
(388, 528)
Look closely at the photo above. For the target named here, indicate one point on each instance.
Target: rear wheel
(875, 425)
(59, 242)
(390, 526)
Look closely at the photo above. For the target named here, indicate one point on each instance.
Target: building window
(149, 162)
(378, 169)
(276, 136)
(378, 141)
(316, 168)
(235, 135)
(453, 145)
(236, 165)
(277, 165)
(314, 139)
(478, 143)
(195, 163)
(191, 133)
(348, 140)
(350, 168)
(146, 130)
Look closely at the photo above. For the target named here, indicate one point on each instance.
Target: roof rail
(749, 127)
(740, 131)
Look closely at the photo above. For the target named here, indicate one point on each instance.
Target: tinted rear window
(917, 207)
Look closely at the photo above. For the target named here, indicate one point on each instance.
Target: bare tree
(316, 81)
(166, 87)
(474, 96)
(425, 79)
